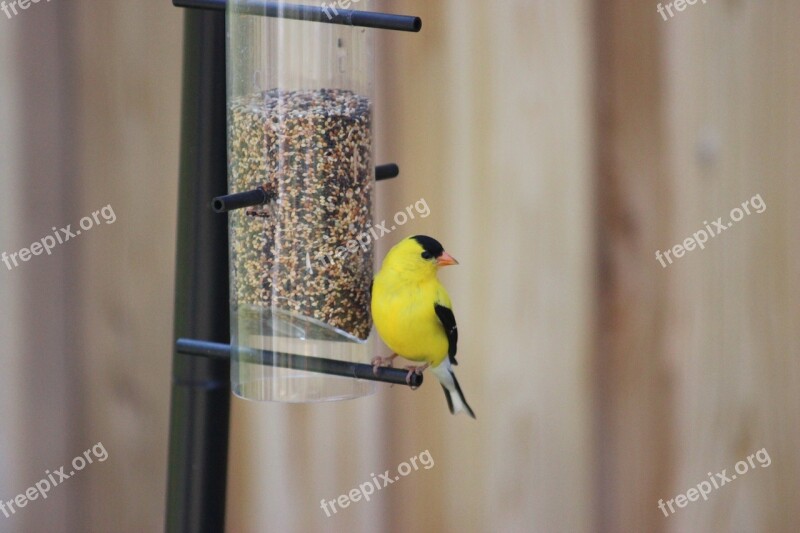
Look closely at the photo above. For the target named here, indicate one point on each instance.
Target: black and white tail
(455, 398)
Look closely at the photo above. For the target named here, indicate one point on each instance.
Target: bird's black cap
(429, 244)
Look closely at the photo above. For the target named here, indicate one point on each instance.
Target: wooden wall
(90, 118)
(11, 379)
(41, 402)
(697, 370)
(128, 79)
(732, 94)
(633, 385)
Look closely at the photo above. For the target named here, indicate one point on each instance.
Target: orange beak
(445, 260)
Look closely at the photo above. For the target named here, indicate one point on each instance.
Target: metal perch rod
(230, 202)
(319, 365)
(328, 14)
(260, 196)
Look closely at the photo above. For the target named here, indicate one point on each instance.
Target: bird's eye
(427, 255)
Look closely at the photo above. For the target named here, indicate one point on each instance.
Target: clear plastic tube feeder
(300, 130)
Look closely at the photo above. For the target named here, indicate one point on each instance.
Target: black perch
(385, 172)
(215, 350)
(328, 14)
(230, 202)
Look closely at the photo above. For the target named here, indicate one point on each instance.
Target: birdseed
(313, 151)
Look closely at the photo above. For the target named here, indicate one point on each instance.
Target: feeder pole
(200, 404)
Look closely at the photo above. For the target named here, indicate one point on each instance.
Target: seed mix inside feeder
(311, 149)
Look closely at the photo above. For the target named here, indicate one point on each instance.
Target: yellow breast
(406, 320)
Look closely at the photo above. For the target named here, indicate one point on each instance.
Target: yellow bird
(414, 316)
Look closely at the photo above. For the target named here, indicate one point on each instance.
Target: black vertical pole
(200, 408)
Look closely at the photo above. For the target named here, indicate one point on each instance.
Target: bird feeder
(301, 182)
(283, 347)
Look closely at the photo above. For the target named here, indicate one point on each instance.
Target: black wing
(448, 321)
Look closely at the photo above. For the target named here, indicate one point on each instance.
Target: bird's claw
(385, 362)
(418, 370)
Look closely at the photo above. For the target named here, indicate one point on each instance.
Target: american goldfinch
(413, 314)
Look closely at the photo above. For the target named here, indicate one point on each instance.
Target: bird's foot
(379, 362)
(415, 370)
